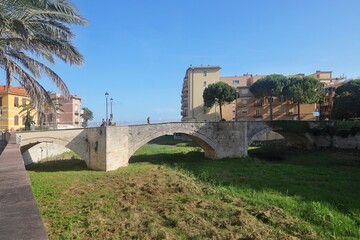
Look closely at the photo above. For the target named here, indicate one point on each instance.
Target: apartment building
(192, 104)
(12, 103)
(68, 114)
(246, 107)
(230, 111)
(251, 109)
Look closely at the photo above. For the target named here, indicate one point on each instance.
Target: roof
(204, 67)
(13, 90)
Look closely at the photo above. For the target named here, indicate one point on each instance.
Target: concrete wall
(43, 151)
(350, 142)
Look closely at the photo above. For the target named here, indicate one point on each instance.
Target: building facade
(13, 104)
(192, 104)
(68, 114)
(246, 107)
(330, 84)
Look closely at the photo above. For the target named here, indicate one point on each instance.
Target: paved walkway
(19, 214)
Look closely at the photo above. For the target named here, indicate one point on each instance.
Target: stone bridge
(108, 148)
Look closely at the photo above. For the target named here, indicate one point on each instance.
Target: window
(204, 84)
(16, 120)
(233, 112)
(244, 111)
(257, 112)
(205, 73)
(244, 101)
(0, 101)
(24, 101)
(234, 119)
(244, 91)
(270, 100)
(16, 101)
(236, 82)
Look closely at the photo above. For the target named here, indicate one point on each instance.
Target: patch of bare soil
(160, 203)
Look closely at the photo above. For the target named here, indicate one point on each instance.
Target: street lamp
(106, 96)
(111, 114)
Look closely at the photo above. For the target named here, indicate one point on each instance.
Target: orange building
(246, 107)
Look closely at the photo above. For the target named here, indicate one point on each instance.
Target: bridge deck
(19, 214)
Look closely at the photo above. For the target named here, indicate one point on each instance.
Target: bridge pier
(107, 148)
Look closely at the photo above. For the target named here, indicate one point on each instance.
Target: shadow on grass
(313, 176)
(58, 166)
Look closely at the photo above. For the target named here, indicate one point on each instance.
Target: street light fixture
(111, 113)
(106, 96)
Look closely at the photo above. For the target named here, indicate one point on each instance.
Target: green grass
(173, 192)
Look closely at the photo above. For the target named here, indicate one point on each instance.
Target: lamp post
(111, 114)
(106, 96)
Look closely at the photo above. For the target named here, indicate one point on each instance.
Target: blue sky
(138, 50)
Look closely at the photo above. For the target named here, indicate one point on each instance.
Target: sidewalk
(19, 214)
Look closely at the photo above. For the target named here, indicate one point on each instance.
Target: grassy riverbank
(173, 192)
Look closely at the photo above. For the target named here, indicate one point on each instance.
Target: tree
(269, 87)
(347, 101)
(218, 93)
(31, 29)
(87, 116)
(304, 90)
(29, 118)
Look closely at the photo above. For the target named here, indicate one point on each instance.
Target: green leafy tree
(303, 90)
(269, 87)
(87, 116)
(29, 118)
(33, 31)
(347, 101)
(218, 93)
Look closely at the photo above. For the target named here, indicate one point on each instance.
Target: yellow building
(12, 102)
(192, 103)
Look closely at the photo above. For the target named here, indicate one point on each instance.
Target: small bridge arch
(291, 139)
(74, 139)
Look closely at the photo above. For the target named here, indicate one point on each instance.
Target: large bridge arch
(202, 140)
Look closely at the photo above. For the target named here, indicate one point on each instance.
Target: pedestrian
(148, 120)
(109, 123)
(103, 123)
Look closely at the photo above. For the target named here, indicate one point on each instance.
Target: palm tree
(31, 29)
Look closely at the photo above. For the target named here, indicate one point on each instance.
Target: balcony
(258, 116)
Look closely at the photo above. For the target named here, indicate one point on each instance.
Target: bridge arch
(29, 142)
(202, 140)
(296, 140)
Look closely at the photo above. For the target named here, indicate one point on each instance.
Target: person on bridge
(148, 120)
(103, 123)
